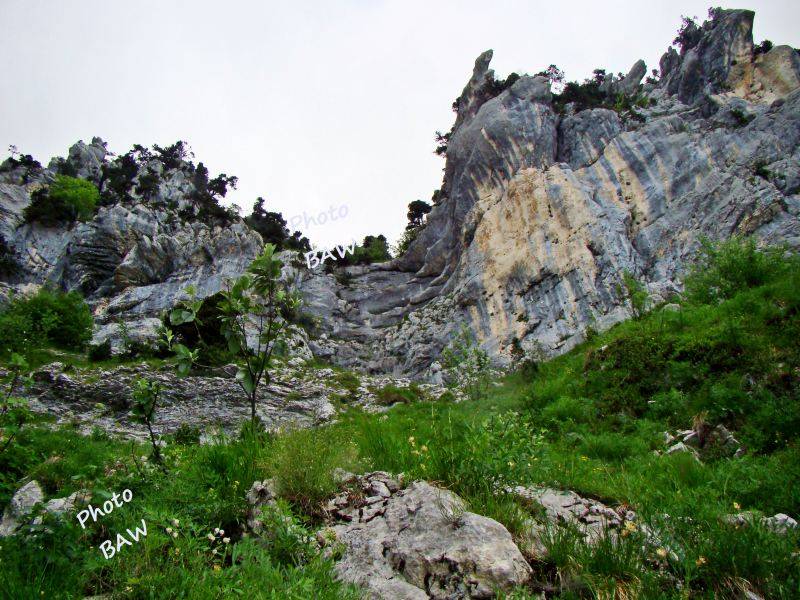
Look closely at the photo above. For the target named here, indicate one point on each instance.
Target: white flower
(175, 522)
(174, 534)
(226, 540)
(221, 532)
(210, 536)
(169, 530)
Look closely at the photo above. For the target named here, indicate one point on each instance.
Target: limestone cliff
(133, 260)
(543, 206)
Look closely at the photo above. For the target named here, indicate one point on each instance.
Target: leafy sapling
(467, 365)
(13, 412)
(251, 323)
(635, 293)
(146, 394)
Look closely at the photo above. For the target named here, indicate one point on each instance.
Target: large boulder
(420, 543)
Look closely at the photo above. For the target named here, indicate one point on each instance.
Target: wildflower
(217, 568)
(226, 540)
(214, 551)
(411, 440)
(175, 522)
(736, 505)
(423, 466)
(700, 561)
(511, 464)
(630, 526)
(662, 552)
(221, 532)
(584, 458)
(175, 534)
(424, 448)
(169, 530)
(210, 537)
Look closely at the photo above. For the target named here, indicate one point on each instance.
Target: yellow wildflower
(662, 552)
(736, 505)
(700, 561)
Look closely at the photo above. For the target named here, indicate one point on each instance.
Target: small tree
(467, 365)
(635, 294)
(416, 213)
(13, 412)
(252, 324)
(146, 394)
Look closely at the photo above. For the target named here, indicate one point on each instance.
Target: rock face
(420, 543)
(133, 260)
(296, 397)
(541, 210)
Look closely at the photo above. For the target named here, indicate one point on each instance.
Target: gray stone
(780, 523)
(261, 494)
(22, 504)
(681, 448)
(423, 544)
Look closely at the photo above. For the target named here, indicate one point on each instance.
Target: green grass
(588, 421)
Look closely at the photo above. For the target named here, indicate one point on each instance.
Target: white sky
(310, 104)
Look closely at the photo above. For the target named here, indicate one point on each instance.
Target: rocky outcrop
(136, 257)
(420, 542)
(542, 209)
(297, 396)
(542, 212)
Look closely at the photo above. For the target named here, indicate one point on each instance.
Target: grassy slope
(587, 421)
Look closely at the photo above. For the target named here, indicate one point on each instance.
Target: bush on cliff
(48, 318)
(67, 200)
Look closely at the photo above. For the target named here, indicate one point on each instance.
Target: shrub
(9, 265)
(49, 317)
(186, 434)
(302, 463)
(731, 266)
(577, 410)
(467, 365)
(635, 293)
(403, 243)
(273, 230)
(373, 249)
(68, 199)
(99, 352)
(392, 394)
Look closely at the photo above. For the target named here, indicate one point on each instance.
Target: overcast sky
(310, 104)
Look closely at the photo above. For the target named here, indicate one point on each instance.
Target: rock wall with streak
(541, 210)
